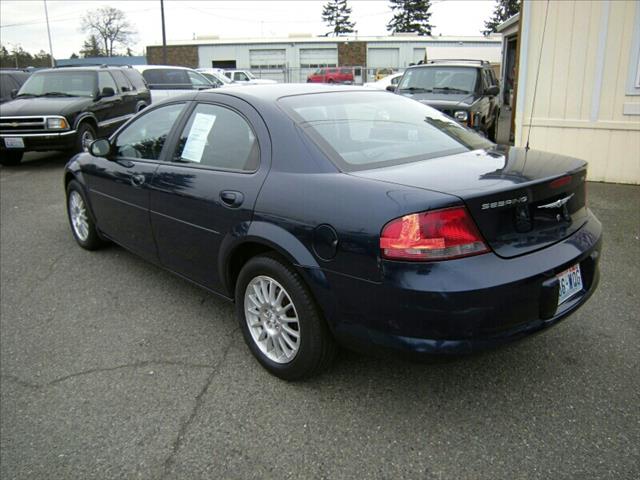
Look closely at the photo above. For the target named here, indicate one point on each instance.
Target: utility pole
(46, 14)
(164, 35)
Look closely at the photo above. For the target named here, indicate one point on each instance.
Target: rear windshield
(167, 77)
(363, 130)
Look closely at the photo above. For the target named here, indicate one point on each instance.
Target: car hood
(443, 100)
(44, 106)
(261, 81)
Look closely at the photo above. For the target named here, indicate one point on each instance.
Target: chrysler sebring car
(343, 217)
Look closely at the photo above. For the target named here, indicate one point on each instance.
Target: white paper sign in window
(197, 139)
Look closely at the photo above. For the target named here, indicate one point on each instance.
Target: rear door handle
(231, 199)
(137, 180)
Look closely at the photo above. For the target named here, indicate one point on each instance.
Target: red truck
(332, 75)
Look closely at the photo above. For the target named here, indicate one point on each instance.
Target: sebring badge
(505, 203)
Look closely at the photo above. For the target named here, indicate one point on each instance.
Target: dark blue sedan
(343, 216)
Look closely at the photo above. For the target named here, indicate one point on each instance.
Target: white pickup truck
(167, 81)
(246, 77)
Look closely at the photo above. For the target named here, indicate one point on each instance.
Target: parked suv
(67, 108)
(466, 90)
(10, 80)
(332, 75)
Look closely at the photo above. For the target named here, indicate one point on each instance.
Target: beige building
(586, 63)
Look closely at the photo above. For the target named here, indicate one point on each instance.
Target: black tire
(491, 131)
(84, 131)
(92, 240)
(316, 349)
(10, 159)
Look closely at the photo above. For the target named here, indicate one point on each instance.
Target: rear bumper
(35, 142)
(461, 306)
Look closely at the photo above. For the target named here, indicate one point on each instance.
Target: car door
(109, 109)
(207, 192)
(119, 185)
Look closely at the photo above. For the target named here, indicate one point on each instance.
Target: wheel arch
(89, 118)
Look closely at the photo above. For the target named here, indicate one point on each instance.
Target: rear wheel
(10, 159)
(279, 320)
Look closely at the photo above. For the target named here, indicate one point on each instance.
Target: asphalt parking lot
(113, 368)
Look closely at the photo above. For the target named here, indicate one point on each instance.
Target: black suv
(466, 90)
(67, 108)
(11, 79)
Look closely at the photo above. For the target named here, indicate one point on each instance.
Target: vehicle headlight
(57, 123)
(461, 115)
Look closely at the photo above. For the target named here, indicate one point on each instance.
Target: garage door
(313, 58)
(418, 54)
(268, 63)
(383, 58)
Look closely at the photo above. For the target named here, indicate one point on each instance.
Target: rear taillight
(434, 235)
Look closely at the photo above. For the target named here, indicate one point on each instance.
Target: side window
(145, 137)
(122, 81)
(198, 80)
(220, 138)
(241, 77)
(394, 81)
(487, 78)
(105, 80)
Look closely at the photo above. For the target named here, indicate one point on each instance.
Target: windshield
(440, 79)
(363, 130)
(77, 84)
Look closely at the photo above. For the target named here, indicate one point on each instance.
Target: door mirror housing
(107, 92)
(391, 88)
(492, 90)
(100, 148)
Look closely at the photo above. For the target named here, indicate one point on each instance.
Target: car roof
(87, 68)
(272, 92)
(142, 68)
(448, 64)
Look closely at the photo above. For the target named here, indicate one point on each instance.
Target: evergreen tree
(336, 15)
(503, 10)
(410, 16)
(91, 47)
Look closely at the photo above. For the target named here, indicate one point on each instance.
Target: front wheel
(10, 159)
(85, 136)
(82, 225)
(492, 130)
(280, 322)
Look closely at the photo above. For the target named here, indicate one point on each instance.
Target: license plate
(570, 283)
(13, 142)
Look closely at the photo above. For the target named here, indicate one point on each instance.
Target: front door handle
(137, 180)
(231, 198)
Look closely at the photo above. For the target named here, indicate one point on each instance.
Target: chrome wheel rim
(86, 139)
(78, 215)
(272, 319)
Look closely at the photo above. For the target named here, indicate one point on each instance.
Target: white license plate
(570, 283)
(13, 142)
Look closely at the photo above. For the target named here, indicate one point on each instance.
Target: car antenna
(535, 87)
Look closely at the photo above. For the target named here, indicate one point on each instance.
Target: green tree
(503, 10)
(110, 26)
(336, 15)
(410, 16)
(19, 58)
(91, 47)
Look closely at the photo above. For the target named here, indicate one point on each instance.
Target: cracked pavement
(113, 368)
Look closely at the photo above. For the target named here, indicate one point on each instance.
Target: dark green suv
(67, 108)
(466, 90)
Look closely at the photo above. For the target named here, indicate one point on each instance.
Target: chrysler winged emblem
(558, 203)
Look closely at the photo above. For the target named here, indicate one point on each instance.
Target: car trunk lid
(521, 200)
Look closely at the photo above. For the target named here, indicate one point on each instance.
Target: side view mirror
(14, 92)
(391, 88)
(100, 147)
(107, 92)
(492, 90)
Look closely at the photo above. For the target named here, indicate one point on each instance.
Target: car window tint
(135, 78)
(121, 81)
(394, 81)
(167, 76)
(218, 137)
(6, 85)
(145, 136)
(241, 77)
(360, 130)
(105, 80)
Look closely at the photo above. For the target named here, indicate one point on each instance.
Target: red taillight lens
(434, 235)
